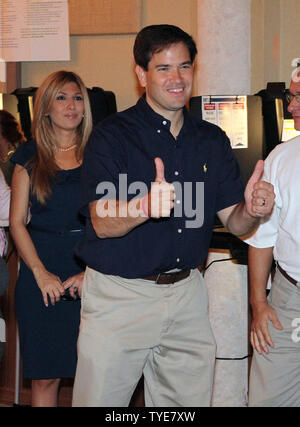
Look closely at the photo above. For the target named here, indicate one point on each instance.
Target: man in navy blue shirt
(153, 178)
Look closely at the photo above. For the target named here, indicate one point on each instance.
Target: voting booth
(225, 272)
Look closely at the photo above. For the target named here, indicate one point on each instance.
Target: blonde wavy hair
(43, 167)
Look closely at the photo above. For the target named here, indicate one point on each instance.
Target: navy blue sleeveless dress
(48, 335)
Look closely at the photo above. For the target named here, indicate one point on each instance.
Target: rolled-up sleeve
(102, 164)
(230, 184)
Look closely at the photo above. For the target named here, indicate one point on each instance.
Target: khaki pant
(275, 377)
(129, 327)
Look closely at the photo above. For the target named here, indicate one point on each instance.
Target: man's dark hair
(155, 38)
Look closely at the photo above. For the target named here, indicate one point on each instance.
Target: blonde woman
(46, 179)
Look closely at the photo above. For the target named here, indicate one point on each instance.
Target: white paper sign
(230, 113)
(34, 30)
(2, 71)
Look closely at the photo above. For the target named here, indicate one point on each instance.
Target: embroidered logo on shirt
(205, 167)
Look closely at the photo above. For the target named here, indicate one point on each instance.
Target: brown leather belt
(284, 273)
(168, 278)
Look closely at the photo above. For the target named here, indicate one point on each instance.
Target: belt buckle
(157, 279)
(171, 282)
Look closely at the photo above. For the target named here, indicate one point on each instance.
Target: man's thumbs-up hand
(259, 195)
(160, 170)
(160, 201)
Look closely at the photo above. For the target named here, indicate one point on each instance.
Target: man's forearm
(239, 221)
(116, 218)
(259, 264)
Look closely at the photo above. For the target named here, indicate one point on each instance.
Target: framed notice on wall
(34, 30)
(230, 113)
(104, 16)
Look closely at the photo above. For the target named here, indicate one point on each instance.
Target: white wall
(107, 60)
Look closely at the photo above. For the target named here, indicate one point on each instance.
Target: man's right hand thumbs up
(160, 170)
(161, 197)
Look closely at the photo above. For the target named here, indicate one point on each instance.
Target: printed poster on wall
(230, 113)
(34, 30)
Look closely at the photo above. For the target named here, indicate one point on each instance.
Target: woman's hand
(49, 284)
(74, 283)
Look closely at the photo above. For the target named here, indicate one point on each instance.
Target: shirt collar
(155, 119)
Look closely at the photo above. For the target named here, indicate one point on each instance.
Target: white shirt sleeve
(4, 201)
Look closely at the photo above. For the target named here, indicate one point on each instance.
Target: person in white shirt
(275, 331)
(10, 135)
(4, 211)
